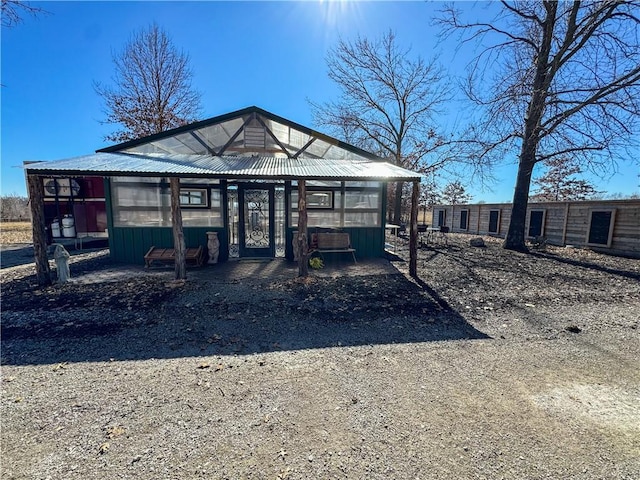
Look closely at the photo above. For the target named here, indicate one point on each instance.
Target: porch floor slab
(238, 270)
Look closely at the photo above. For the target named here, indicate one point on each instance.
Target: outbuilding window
(464, 220)
(536, 223)
(320, 199)
(333, 204)
(494, 221)
(194, 198)
(600, 231)
(146, 202)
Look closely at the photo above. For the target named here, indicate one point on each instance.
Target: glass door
(256, 230)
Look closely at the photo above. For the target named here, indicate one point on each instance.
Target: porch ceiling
(185, 165)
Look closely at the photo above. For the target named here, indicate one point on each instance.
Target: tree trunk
(178, 234)
(303, 244)
(515, 239)
(36, 202)
(397, 204)
(531, 135)
(413, 232)
(389, 202)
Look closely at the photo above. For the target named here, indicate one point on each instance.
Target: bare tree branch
(152, 91)
(13, 12)
(566, 82)
(388, 102)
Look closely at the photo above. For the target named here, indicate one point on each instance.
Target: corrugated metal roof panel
(184, 165)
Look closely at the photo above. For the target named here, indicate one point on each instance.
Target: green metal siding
(129, 244)
(368, 242)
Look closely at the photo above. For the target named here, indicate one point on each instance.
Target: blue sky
(268, 54)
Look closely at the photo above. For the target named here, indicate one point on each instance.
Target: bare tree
(388, 103)
(553, 79)
(559, 182)
(430, 194)
(14, 207)
(152, 91)
(454, 193)
(13, 12)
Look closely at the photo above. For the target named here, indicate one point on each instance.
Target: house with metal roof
(239, 175)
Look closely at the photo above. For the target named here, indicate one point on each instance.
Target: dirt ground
(493, 364)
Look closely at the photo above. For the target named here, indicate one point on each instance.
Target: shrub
(316, 263)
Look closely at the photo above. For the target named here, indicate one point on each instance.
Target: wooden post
(303, 244)
(178, 234)
(453, 214)
(36, 203)
(413, 232)
(564, 224)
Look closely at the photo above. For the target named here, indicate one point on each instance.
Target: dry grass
(15, 232)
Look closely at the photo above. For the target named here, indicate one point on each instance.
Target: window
(320, 199)
(146, 202)
(194, 198)
(536, 223)
(494, 221)
(464, 219)
(601, 227)
(442, 217)
(340, 204)
(139, 201)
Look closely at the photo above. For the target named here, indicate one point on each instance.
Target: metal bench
(332, 242)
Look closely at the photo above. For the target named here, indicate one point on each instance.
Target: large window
(338, 205)
(146, 202)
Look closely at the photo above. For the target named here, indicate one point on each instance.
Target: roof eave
(81, 173)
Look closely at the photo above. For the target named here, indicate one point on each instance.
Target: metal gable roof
(252, 131)
(184, 165)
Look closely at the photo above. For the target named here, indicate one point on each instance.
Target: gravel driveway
(493, 364)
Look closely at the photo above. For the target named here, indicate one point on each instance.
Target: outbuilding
(609, 226)
(238, 175)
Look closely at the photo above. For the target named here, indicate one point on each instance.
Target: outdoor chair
(443, 234)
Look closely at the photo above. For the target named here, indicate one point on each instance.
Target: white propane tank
(55, 229)
(68, 226)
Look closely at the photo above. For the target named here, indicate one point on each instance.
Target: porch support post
(413, 232)
(36, 204)
(303, 244)
(178, 235)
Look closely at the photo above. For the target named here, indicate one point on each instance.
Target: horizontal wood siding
(505, 218)
(577, 223)
(482, 228)
(573, 230)
(129, 244)
(553, 225)
(626, 230)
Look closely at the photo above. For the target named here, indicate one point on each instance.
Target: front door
(256, 230)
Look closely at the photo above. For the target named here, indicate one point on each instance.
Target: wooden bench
(332, 242)
(193, 256)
